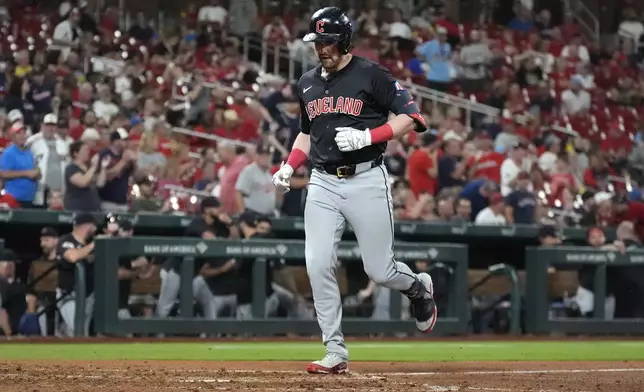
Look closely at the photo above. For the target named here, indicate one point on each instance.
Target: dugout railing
(539, 318)
(452, 321)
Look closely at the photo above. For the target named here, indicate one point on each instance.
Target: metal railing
(585, 17)
(277, 59)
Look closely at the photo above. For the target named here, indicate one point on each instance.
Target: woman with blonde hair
(150, 161)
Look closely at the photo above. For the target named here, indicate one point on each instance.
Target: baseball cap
(119, 134)
(136, 120)
(48, 232)
(50, 119)
(496, 198)
(601, 197)
(90, 134)
(85, 218)
(15, 115)
(9, 255)
(210, 202)
(451, 135)
(249, 217)
(126, 225)
(17, 127)
(549, 231)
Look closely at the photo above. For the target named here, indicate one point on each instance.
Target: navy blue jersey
(361, 95)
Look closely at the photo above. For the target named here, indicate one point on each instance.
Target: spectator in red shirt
(235, 128)
(422, 167)
(487, 163)
(234, 161)
(632, 211)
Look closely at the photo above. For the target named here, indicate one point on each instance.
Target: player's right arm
(299, 153)
(303, 139)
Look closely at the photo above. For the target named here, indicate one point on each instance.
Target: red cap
(15, 128)
(496, 198)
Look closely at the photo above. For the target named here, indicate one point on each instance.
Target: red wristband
(382, 134)
(296, 158)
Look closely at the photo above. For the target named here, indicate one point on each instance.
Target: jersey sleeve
(390, 95)
(305, 124)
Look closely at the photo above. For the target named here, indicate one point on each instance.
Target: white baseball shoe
(425, 310)
(330, 364)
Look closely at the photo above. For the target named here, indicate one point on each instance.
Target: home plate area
(147, 376)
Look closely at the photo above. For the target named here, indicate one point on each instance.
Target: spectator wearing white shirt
(398, 28)
(575, 100)
(104, 107)
(548, 160)
(493, 214)
(631, 28)
(576, 49)
(50, 153)
(516, 163)
(213, 13)
(66, 36)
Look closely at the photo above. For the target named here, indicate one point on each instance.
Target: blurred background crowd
(533, 119)
(536, 114)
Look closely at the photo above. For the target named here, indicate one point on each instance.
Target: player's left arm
(389, 96)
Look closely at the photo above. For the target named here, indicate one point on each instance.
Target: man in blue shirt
(523, 21)
(18, 169)
(121, 166)
(478, 192)
(437, 53)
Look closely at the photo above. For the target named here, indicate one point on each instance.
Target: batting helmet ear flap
(346, 44)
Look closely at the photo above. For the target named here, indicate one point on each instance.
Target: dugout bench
(539, 318)
(108, 251)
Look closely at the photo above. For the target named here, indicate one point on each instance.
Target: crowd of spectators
(121, 121)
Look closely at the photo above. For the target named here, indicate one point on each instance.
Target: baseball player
(346, 101)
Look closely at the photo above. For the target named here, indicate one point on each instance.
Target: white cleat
(330, 364)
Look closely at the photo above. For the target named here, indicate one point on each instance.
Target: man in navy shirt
(41, 92)
(520, 205)
(18, 169)
(114, 192)
(451, 167)
(478, 192)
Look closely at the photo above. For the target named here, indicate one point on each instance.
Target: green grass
(360, 351)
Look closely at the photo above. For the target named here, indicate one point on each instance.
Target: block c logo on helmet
(319, 26)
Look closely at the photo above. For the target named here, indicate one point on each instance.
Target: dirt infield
(167, 376)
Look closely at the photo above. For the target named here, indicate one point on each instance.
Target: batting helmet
(330, 25)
